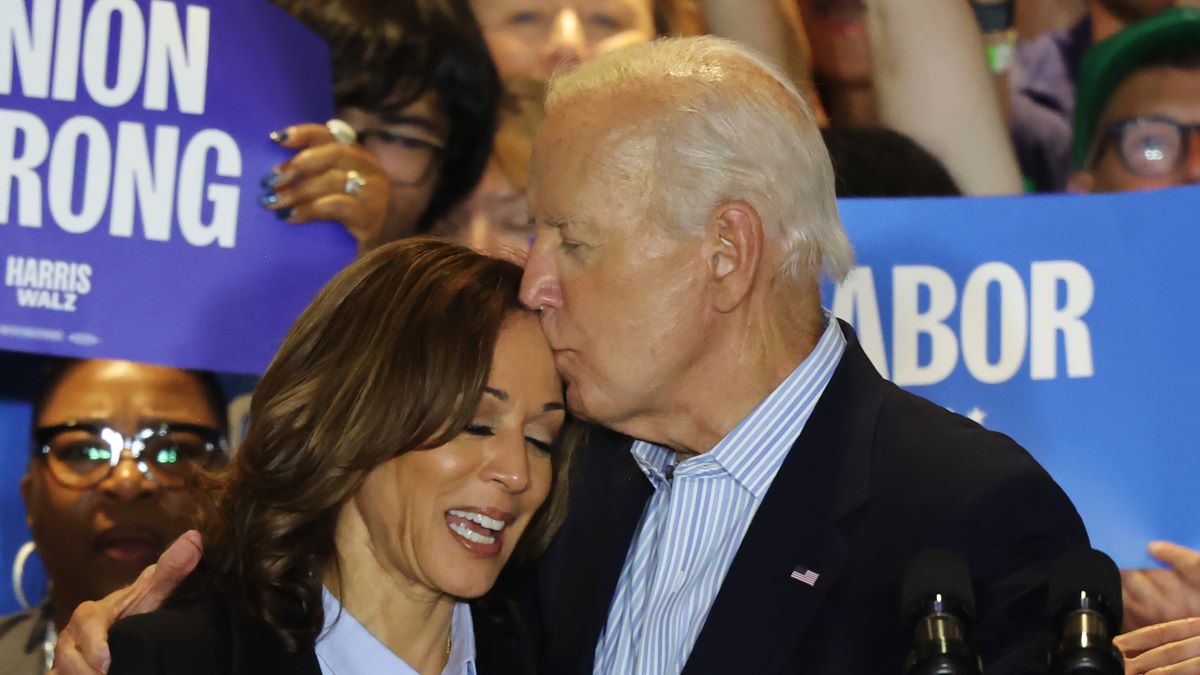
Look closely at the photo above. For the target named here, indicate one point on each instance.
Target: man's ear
(733, 249)
(1081, 182)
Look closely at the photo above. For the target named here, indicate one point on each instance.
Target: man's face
(621, 300)
(1127, 159)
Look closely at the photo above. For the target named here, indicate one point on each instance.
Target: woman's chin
(468, 585)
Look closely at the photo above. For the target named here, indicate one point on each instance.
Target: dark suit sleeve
(1025, 524)
(134, 651)
(192, 637)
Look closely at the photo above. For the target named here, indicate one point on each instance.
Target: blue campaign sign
(1064, 322)
(133, 136)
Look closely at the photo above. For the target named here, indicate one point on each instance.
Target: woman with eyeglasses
(416, 96)
(106, 489)
(404, 446)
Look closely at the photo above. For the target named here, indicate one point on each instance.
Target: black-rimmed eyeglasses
(1152, 147)
(408, 160)
(83, 454)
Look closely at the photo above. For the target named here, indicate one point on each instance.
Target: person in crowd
(878, 162)
(1035, 18)
(1138, 113)
(530, 39)
(114, 444)
(1154, 596)
(1042, 84)
(417, 90)
(875, 65)
(1171, 648)
(416, 95)
(533, 38)
(402, 445)
(760, 522)
(494, 218)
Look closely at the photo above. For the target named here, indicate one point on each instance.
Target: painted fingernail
(271, 179)
(279, 136)
(269, 199)
(284, 214)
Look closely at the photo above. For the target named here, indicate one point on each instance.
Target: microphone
(1085, 605)
(938, 608)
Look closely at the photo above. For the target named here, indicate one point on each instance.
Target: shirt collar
(752, 452)
(346, 647)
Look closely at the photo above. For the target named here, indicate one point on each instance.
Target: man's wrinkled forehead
(580, 142)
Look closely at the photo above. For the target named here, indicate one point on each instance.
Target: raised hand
(83, 644)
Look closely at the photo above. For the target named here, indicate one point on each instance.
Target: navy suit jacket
(877, 475)
(205, 634)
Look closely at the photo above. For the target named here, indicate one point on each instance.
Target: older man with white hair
(761, 521)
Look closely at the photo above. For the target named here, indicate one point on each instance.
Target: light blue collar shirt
(696, 519)
(346, 647)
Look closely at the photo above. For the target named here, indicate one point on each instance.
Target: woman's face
(409, 147)
(447, 519)
(493, 220)
(95, 540)
(529, 38)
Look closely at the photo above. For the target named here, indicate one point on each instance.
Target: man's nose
(127, 482)
(567, 40)
(539, 284)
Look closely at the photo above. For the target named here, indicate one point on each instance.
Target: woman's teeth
(466, 533)
(480, 519)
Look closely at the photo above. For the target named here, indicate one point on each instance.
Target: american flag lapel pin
(805, 575)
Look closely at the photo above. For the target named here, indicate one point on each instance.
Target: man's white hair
(731, 127)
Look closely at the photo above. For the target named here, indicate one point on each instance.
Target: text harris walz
(47, 284)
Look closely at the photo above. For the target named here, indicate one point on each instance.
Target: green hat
(1109, 62)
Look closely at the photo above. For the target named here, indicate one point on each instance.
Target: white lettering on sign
(1031, 318)
(123, 173)
(109, 50)
(47, 284)
(155, 53)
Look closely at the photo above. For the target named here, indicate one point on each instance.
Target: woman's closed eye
(479, 430)
(484, 430)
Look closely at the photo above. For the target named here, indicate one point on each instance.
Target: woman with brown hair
(401, 443)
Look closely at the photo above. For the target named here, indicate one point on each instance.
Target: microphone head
(1086, 579)
(937, 575)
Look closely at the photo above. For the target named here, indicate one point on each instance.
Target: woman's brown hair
(391, 356)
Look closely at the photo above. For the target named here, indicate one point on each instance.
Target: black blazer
(877, 475)
(207, 635)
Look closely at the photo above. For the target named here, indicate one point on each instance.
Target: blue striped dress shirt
(695, 521)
